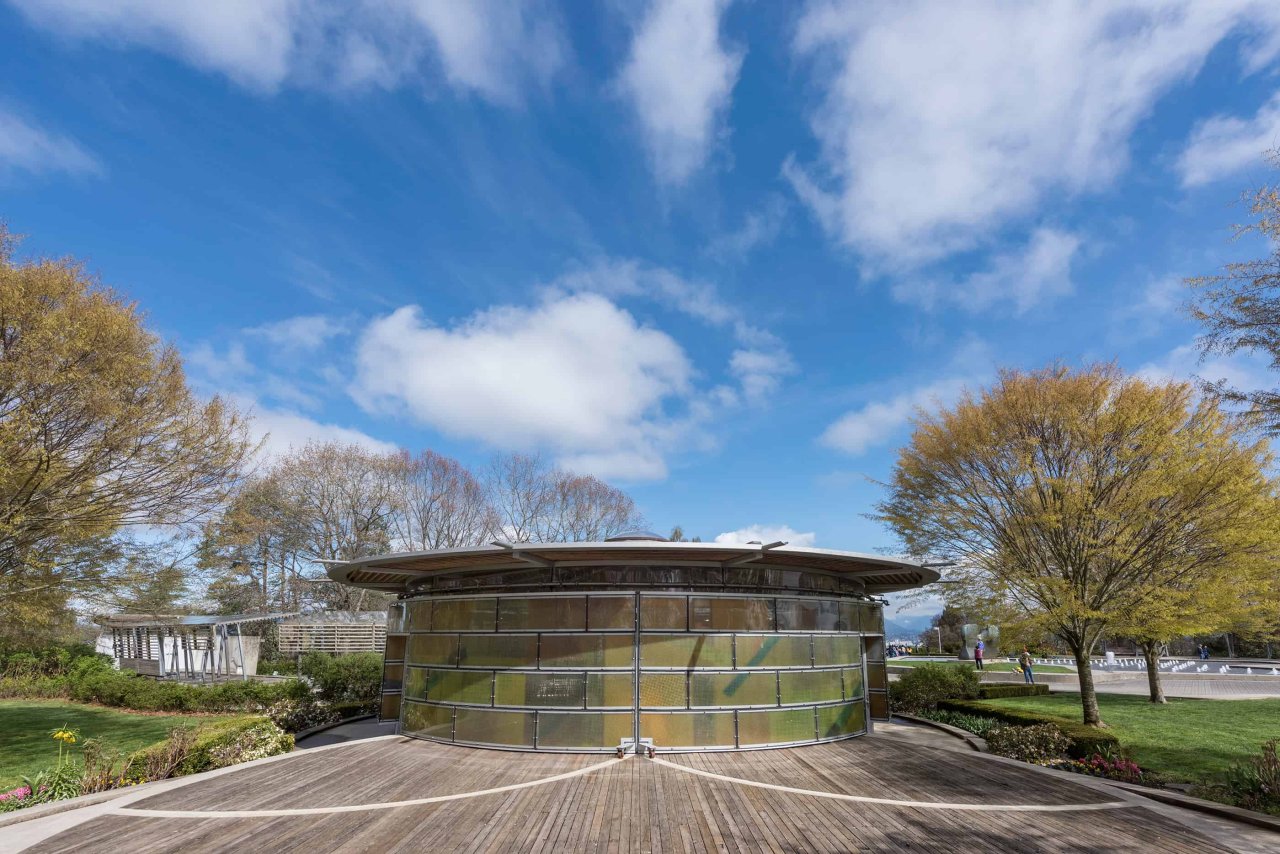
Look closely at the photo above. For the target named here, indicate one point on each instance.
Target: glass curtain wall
(584, 671)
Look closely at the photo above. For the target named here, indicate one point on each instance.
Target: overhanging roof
(138, 621)
(395, 572)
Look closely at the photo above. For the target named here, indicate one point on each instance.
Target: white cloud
(679, 79)
(302, 334)
(940, 123)
(1034, 273)
(574, 373)
(761, 360)
(23, 146)
(1224, 145)
(1243, 370)
(878, 422)
(1160, 303)
(759, 228)
(766, 534)
(489, 47)
(281, 430)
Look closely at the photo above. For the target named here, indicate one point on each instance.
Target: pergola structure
(186, 647)
(334, 632)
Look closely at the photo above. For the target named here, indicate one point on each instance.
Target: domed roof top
(630, 536)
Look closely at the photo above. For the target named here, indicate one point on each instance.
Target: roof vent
(634, 536)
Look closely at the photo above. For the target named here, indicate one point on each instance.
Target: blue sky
(715, 252)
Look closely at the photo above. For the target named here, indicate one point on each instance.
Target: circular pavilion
(635, 641)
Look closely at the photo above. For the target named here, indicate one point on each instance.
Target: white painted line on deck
(929, 805)
(385, 805)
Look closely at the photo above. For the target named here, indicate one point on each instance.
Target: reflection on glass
(418, 615)
(663, 612)
(707, 613)
(875, 648)
(587, 651)
(486, 726)
(837, 721)
(415, 683)
(778, 727)
(879, 706)
(433, 649)
(460, 686)
(395, 618)
(395, 647)
(560, 730)
(836, 649)
(876, 678)
(688, 729)
(810, 686)
(563, 690)
(610, 690)
(466, 615)
(852, 683)
(392, 674)
(733, 689)
(428, 721)
(611, 612)
(850, 616)
(662, 690)
(774, 651)
(872, 619)
(390, 707)
(808, 615)
(566, 613)
(686, 651)
(498, 651)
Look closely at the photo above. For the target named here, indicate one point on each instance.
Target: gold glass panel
(392, 676)
(688, 729)
(872, 619)
(664, 612)
(773, 651)
(808, 615)
(567, 613)
(498, 651)
(429, 721)
(390, 707)
(486, 726)
(730, 615)
(561, 730)
(395, 618)
(415, 683)
(395, 647)
(611, 612)
(810, 686)
(465, 615)
(743, 688)
(879, 706)
(418, 615)
(850, 616)
(460, 686)
(587, 651)
(540, 690)
(852, 683)
(780, 727)
(836, 721)
(877, 680)
(686, 651)
(836, 649)
(611, 690)
(875, 648)
(433, 649)
(663, 690)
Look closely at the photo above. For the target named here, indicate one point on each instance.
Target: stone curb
(974, 742)
(1225, 811)
(315, 729)
(55, 807)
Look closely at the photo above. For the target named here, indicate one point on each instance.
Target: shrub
(992, 692)
(928, 684)
(1039, 744)
(354, 679)
(1085, 740)
(1112, 767)
(217, 745)
(47, 661)
(1253, 784)
(975, 724)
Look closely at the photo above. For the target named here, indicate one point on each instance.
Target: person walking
(978, 649)
(1024, 661)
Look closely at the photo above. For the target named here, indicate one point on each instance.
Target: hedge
(994, 692)
(215, 745)
(1085, 740)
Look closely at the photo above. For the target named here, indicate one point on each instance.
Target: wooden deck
(635, 805)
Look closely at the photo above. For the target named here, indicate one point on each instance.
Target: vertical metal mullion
(635, 688)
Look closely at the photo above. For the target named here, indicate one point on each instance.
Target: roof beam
(751, 556)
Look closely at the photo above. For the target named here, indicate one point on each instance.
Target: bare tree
(535, 502)
(439, 504)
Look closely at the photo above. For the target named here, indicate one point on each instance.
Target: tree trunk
(1088, 697)
(1149, 651)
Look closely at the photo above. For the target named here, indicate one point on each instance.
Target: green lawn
(997, 666)
(1187, 740)
(26, 748)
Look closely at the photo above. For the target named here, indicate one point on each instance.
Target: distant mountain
(907, 626)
